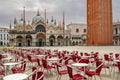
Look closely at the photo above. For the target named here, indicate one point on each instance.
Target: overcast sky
(75, 10)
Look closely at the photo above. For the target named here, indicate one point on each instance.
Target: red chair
(39, 64)
(31, 59)
(40, 75)
(24, 56)
(33, 74)
(2, 72)
(74, 76)
(65, 62)
(1, 56)
(83, 61)
(107, 58)
(91, 73)
(117, 56)
(118, 70)
(60, 72)
(19, 69)
(103, 66)
(46, 66)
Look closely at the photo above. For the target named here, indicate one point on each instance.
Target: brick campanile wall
(99, 22)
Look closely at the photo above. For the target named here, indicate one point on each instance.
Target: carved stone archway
(40, 39)
(59, 40)
(52, 40)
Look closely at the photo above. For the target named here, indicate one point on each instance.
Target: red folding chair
(74, 76)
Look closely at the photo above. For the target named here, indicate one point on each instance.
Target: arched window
(40, 28)
(77, 30)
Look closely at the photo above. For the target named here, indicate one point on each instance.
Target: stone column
(118, 41)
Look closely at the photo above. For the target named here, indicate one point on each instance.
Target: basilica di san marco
(40, 32)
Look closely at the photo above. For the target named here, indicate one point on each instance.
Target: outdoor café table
(6, 54)
(6, 59)
(116, 60)
(85, 56)
(9, 64)
(17, 76)
(53, 59)
(39, 56)
(80, 65)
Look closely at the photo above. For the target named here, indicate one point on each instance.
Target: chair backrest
(99, 65)
(87, 54)
(38, 61)
(61, 59)
(95, 55)
(23, 65)
(106, 56)
(117, 55)
(2, 72)
(57, 66)
(40, 75)
(119, 66)
(34, 73)
(84, 61)
(81, 53)
(29, 57)
(70, 73)
(0, 56)
(44, 63)
(66, 61)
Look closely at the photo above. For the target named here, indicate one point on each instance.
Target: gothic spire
(63, 23)
(24, 22)
(55, 22)
(38, 13)
(10, 25)
(21, 17)
(15, 21)
(52, 19)
(47, 21)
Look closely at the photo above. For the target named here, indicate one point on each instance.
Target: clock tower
(99, 22)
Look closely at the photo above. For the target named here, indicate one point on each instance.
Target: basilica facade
(40, 32)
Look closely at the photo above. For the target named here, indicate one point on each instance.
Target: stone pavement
(101, 49)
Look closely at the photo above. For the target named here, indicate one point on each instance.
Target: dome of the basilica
(38, 18)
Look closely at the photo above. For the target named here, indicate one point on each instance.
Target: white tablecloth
(17, 76)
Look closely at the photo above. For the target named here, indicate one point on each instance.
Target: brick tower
(99, 22)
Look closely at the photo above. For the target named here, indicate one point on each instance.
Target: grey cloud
(75, 10)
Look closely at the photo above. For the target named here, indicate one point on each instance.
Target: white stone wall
(116, 33)
(80, 34)
(4, 36)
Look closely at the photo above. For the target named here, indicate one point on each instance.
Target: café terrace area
(60, 63)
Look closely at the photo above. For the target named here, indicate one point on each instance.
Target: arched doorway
(52, 40)
(59, 40)
(77, 43)
(67, 41)
(51, 43)
(40, 42)
(73, 43)
(40, 39)
(1, 43)
(19, 41)
(28, 40)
